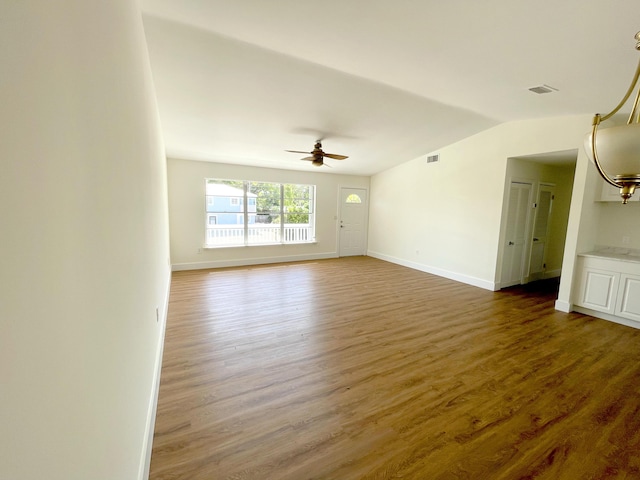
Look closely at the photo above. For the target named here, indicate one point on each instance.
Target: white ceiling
(381, 81)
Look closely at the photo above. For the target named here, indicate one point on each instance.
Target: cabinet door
(628, 303)
(598, 289)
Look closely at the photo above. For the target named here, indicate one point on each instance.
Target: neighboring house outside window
(226, 202)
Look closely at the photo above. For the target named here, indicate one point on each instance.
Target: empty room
(340, 240)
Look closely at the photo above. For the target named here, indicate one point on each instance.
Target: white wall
(84, 241)
(446, 215)
(616, 221)
(187, 216)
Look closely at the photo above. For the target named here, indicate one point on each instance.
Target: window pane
(296, 218)
(296, 205)
(268, 218)
(298, 209)
(297, 191)
(298, 228)
(225, 213)
(267, 197)
(264, 233)
(225, 196)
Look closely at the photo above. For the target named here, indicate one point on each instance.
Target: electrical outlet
(626, 239)
(199, 251)
(157, 314)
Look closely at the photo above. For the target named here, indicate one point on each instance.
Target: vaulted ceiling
(378, 80)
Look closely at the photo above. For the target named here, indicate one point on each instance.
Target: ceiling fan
(317, 155)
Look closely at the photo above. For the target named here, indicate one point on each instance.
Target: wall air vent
(433, 158)
(543, 89)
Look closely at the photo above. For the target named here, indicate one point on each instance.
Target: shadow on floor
(542, 288)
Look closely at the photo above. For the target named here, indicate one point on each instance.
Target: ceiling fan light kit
(616, 150)
(317, 155)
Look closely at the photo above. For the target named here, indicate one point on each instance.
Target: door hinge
(535, 205)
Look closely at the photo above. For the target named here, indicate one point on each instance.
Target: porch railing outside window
(219, 235)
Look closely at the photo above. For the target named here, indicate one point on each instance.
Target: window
(275, 213)
(353, 198)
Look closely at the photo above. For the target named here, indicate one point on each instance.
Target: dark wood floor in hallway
(355, 368)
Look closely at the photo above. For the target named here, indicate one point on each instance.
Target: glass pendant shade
(615, 151)
(618, 150)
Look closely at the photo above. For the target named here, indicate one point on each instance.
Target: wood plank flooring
(356, 368)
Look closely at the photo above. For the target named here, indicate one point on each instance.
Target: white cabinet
(598, 289)
(609, 286)
(628, 303)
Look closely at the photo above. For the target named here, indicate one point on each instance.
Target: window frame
(246, 202)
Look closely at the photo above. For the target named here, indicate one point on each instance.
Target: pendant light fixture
(616, 150)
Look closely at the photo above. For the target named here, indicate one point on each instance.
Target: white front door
(513, 256)
(353, 221)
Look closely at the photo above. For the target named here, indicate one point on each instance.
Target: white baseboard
(552, 274)
(476, 282)
(145, 464)
(241, 262)
(563, 306)
(607, 316)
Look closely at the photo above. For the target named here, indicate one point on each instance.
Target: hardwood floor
(355, 368)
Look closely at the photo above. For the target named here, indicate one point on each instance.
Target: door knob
(536, 239)
(511, 243)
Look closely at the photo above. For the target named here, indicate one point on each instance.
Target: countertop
(614, 253)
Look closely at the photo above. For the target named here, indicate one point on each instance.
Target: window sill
(217, 247)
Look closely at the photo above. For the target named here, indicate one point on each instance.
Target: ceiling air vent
(543, 89)
(433, 158)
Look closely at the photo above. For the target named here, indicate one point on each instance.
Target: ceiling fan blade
(309, 159)
(335, 157)
(295, 151)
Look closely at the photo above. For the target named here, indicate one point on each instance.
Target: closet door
(514, 251)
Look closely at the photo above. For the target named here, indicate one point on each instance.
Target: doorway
(536, 203)
(353, 221)
(541, 221)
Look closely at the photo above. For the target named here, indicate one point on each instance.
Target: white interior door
(514, 251)
(544, 205)
(353, 219)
